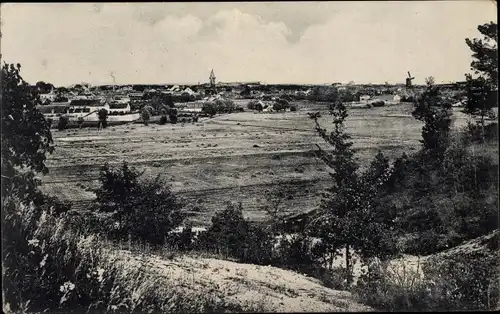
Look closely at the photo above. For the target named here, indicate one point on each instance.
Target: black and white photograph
(249, 157)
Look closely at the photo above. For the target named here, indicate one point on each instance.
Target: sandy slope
(275, 289)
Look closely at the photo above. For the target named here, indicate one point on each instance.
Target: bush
(475, 132)
(254, 105)
(209, 109)
(228, 232)
(296, 252)
(63, 123)
(461, 282)
(465, 281)
(145, 115)
(172, 115)
(379, 103)
(388, 288)
(234, 237)
(144, 210)
(281, 104)
(163, 120)
(293, 108)
(103, 118)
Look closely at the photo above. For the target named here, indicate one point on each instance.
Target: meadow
(231, 157)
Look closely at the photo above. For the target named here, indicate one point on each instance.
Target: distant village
(123, 104)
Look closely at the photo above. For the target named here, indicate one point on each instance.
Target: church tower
(212, 79)
(212, 90)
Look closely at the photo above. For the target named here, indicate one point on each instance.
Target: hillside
(269, 288)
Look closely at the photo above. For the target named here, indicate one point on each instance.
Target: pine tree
(436, 114)
(340, 222)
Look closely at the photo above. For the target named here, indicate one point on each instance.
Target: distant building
(54, 110)
(84, 107)
(50, 97)
(211, 78)
(121, 99)
(119, 108)
(364, 97)
(388, 99)
(135, 96)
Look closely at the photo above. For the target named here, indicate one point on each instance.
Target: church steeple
(212, 78)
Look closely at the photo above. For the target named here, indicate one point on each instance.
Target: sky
(272, 42)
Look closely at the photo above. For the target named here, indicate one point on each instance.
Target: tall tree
(26, 136)
(480, 99)
(482, 91)
(485, 53)
(338, 221)
(431, 109)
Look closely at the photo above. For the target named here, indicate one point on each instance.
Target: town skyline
(274, 43)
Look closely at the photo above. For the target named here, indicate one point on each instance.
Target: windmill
(409, 85)
(408, 80)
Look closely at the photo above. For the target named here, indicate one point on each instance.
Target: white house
(85, 107)
(387, 99)
(54, 110)
(119, 108)
(364, 97)
(121, 99)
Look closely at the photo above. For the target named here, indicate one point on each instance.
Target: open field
(234, 157)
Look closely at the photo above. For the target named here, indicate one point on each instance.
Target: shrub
(103, 118)
(388, 288)
(228, 232)
(209, 108)
(145, 115)
(296, 252)
(460, 282)
(63, 123)
(173, 116)
(464, 281)
(254, 105)
(146, 210)
(163, 120)
(234, 237)
(281, 104)
(293, 108)
(478, 134)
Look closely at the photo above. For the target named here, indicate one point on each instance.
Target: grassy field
(233, 157)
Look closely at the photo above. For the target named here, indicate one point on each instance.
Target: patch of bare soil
(272, 289)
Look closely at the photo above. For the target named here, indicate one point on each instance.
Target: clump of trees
(281, 105)
(323, 94)
(255, 105)
(219, 106)
(145, 210)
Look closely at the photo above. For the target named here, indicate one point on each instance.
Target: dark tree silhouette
(26, 136)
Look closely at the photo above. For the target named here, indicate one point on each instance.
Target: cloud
(273, 42)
